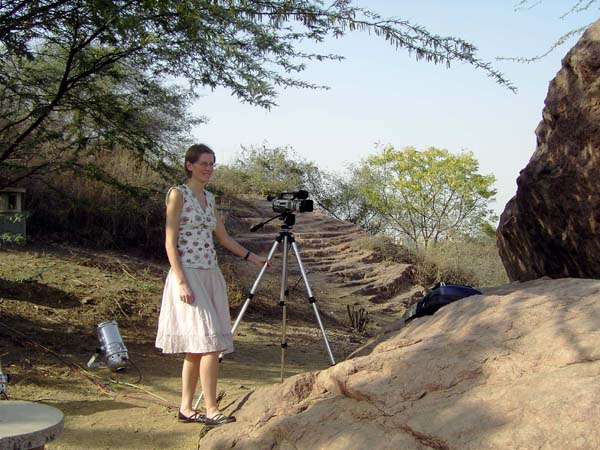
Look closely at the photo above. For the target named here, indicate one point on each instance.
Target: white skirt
(201, 327)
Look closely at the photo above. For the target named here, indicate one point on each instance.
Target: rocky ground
(52, 296)
(514, 368)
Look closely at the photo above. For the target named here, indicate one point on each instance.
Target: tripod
(285, 236)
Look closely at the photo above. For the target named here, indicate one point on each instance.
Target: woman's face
(202, 169)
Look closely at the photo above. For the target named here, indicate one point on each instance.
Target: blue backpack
(441, 295)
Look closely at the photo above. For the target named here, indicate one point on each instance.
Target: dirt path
(52, 297)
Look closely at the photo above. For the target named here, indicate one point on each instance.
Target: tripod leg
(246, 304)
(283, 295)
(313, 301)
(254, 287)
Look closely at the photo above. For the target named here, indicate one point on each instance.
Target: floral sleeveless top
(195, 243)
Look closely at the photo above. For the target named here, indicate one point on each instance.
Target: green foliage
(122, 108)
(29, 278)
(487, 230)
(423, 197)
(341, 195)
(14, 217)
(263, 170)
(77, 76)
(271, 170)
(228, 181)
(7, 239)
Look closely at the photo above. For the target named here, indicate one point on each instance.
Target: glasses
(206, 165)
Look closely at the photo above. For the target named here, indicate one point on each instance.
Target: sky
(379, 95)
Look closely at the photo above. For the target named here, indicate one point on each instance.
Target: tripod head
(288, 218)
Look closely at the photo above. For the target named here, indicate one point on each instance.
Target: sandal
(194, 418)
(219, 419)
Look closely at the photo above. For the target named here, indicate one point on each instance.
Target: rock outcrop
(552, 226)
(517, 367)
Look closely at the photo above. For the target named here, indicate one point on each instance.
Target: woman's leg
(209, 373)
(189, 380)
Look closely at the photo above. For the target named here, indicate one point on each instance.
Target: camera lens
(305, 206)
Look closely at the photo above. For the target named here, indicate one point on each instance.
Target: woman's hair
(193, 153)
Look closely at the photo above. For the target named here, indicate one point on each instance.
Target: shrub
(8, 239)
(119, 205)
(229, 182)
(263, 170)
(474, 262)
(386, 249)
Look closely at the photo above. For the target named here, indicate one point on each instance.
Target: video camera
(288, 202)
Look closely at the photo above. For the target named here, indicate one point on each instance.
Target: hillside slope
(52, 297)
(337, 259)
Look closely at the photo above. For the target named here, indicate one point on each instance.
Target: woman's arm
(174, 207)
(234, 246)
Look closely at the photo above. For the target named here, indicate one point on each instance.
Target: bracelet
(247, 255)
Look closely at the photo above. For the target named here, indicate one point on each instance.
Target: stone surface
(551, 227)
(28, 425)
(515, 368)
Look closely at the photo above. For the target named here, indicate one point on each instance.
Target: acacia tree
(97, 115)
(426, 196)
(247, 46)
(577, 6)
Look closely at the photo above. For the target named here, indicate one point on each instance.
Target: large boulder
(516, 368)
(552, 226)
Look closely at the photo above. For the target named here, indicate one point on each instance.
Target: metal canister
(112, 347)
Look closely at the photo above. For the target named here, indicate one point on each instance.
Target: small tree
(426, 196)
(342, 197)
(266, 170)
(271, 170)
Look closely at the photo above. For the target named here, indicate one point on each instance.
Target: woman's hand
(259, 261)
(185, 293)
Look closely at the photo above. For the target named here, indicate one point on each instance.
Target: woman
(194, 317)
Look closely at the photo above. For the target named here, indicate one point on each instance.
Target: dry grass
(470, 262)
(81, 288)
(77, 208)
(385, 249)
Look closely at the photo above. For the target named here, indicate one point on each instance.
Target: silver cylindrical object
(111, 345)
